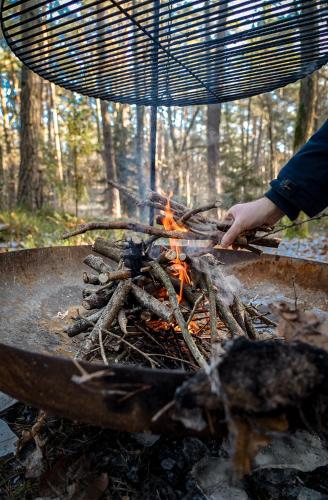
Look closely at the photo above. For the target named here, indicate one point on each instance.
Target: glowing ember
(161, 294)
(158, 325)
(179, 267)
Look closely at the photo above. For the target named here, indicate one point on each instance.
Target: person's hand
(246, 216)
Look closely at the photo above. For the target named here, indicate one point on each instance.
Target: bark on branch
(162, 276)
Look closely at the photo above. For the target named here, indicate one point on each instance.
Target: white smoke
(227, 285)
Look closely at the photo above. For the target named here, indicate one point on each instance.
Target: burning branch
(190, 225)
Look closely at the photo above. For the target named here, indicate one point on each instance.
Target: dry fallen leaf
(305, 326)
(250, 436)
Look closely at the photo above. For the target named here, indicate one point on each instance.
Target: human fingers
(232, 233)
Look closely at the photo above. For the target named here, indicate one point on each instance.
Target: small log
(86, 292)
(108, 315)
(169, 255)
(163, 277)
(96, 263)
(151, 303)
(97, 300)
(106, 248)
(122, 274)
(92, 279)
(82, 324)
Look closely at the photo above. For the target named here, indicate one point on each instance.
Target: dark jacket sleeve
(302, 184)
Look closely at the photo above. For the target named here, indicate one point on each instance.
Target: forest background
(58, 150)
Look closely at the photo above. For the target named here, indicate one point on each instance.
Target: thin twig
(175, 358)
(255, 314)
(198, 210)
(102, 350)
(153, 363)
(163, 410)
(124, 190)
(196, 304)
(294, 224)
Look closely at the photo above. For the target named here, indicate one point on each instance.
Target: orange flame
(180, 267)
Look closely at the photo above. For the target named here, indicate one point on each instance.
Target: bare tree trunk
(308, 86)
(306, 111)
(273, 167)
(307, 100)
(213, 119)
(57, 143)
(140, 159)
(249, 113)
(58, 149)
(98, 120)
(10, 162)
(30, 176)
(109, 160)
(259, 145)
(2, 182)
(175, 161)
(76, 180)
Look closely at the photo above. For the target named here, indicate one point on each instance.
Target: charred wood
(96, 263)
(151, 303)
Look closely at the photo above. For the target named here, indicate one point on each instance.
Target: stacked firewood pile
(165, 304)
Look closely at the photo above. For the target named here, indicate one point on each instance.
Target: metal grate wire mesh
(163, 52)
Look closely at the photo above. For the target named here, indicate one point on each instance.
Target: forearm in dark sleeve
(302, 184)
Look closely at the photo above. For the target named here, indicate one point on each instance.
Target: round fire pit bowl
(36, 360)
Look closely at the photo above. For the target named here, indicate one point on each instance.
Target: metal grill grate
(168, 52)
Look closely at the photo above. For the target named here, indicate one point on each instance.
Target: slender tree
(109, 161)
(306, 111)
(140, 159)
(213, 119)
(2, 181)
(30, 175)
